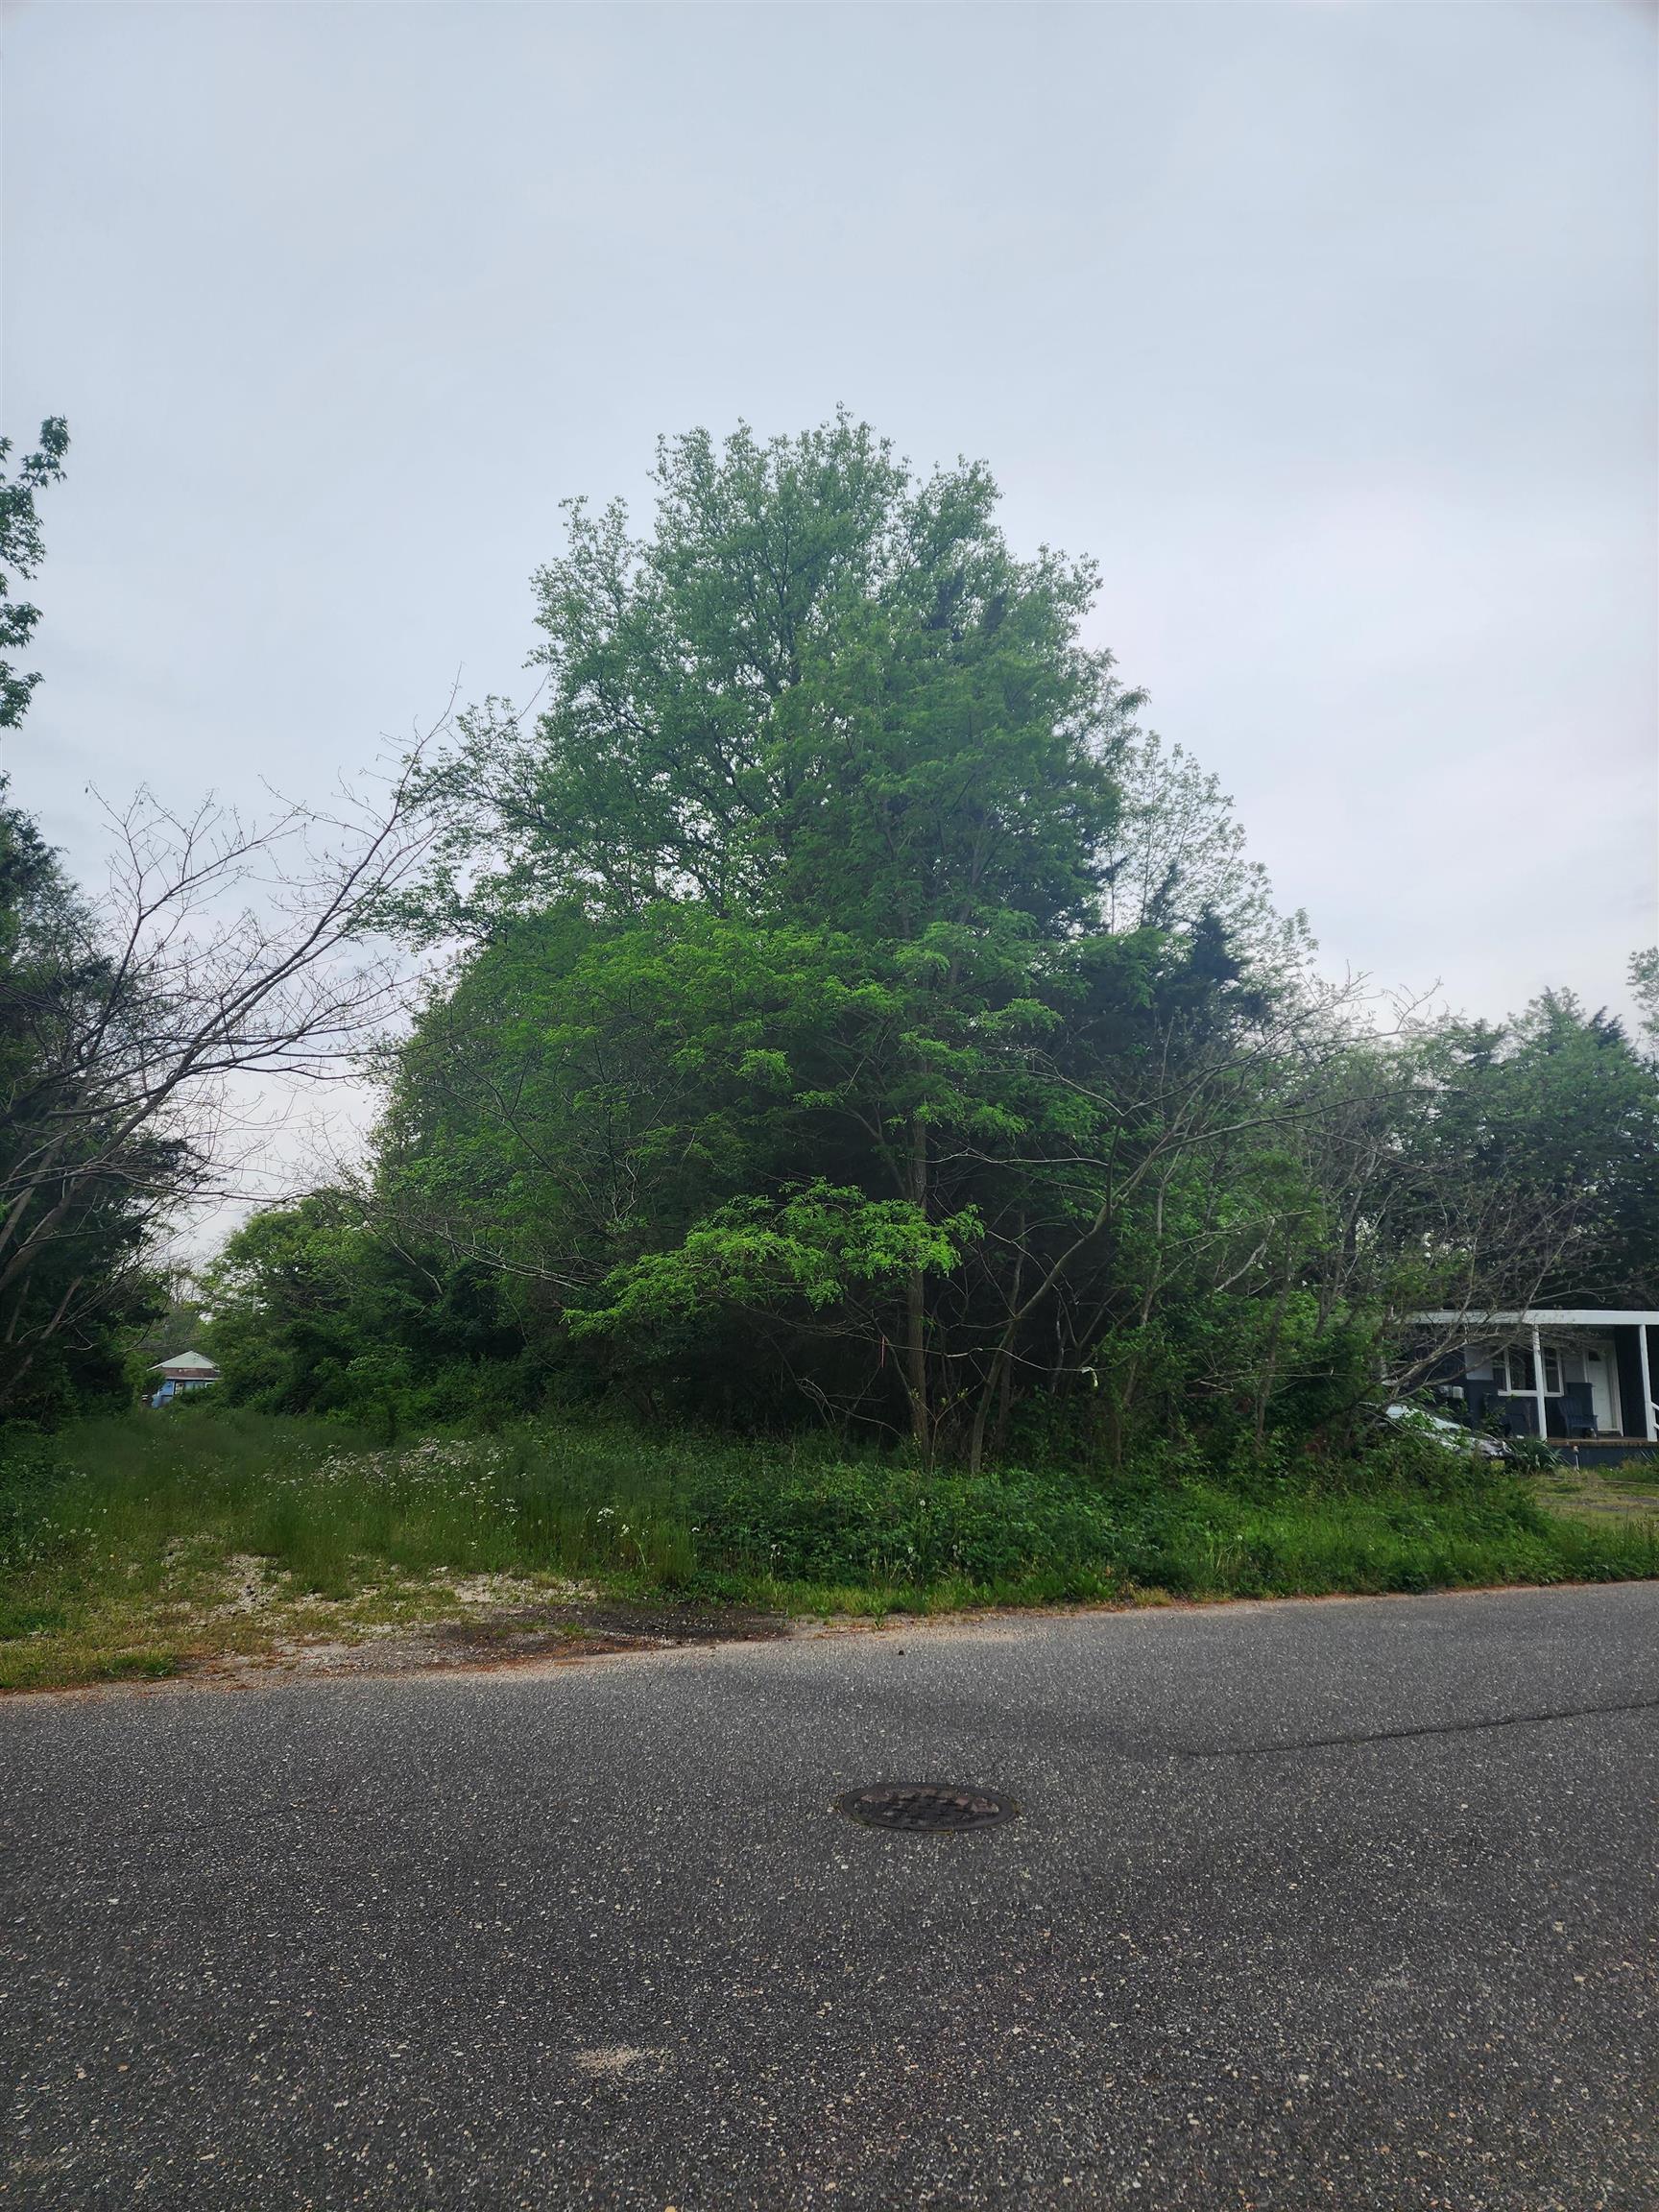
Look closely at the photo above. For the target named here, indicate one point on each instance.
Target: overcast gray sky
(1328, 330)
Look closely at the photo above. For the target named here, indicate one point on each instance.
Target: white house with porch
(1582, 1377)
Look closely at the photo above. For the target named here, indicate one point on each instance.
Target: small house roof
(185, 1363)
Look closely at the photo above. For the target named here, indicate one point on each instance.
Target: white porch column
(1649, 1429)
(1538, 1380)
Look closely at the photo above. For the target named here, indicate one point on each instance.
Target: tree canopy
(856, 1010)
(844, 1009)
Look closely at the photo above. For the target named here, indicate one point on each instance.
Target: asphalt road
(1347, 1904)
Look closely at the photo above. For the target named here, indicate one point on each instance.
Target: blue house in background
(185, 1371)
(1582, 1377)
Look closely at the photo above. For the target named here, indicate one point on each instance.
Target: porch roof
(1544, 1316)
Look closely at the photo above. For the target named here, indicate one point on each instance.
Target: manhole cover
(926, 1808)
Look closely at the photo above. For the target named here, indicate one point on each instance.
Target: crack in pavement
(1429, 1728)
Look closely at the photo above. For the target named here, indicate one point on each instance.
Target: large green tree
(820, 689)
(830, 1025)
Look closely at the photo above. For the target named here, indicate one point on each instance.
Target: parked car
(1450, 1435)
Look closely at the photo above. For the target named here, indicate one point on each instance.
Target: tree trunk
(1004, 1404)
(916, 1303)
(998, 1386)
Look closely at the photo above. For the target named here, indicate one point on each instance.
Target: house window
(1515, 1376)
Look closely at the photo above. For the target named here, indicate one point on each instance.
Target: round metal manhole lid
(927, 1808)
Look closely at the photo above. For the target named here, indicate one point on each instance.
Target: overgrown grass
(121, 1539)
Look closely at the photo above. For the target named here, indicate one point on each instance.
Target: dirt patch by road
(517, 1635)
